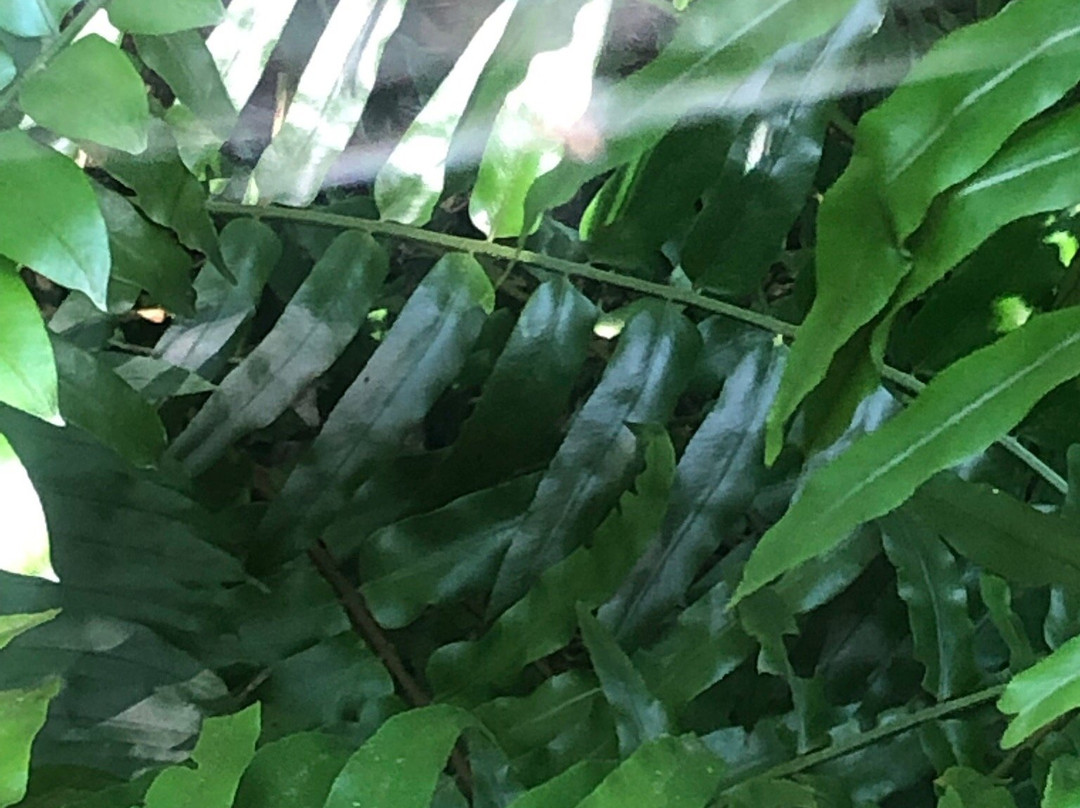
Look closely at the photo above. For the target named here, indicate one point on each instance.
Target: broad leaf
(1063, 783)
(666, 773)
(410, 182)
(22, 715)
(330, 98)
(294, 772)
(961, 412)
(318, 323)
(400, 764)
(225, 748)
(29, 18)
(27, 368)
(967, 788)
(930, 584)
(152, 17)
(639, 716)
(52, 221)
(568, 788)
(769, 793)
(91, 91)
(1041, 694)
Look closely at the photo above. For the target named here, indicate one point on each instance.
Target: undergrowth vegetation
(539, 403)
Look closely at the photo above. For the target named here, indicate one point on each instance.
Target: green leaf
(152, 17)
(855, 279)
(529, 133)
(944, 123)
(1000, 533)
(931, 585)
(33, 18)
(25, 550)
(961, 412)
(251, 251)
(318, 323)
(967, 788)
(771, 793)
(294, 772)
(22, 715)
(241, 45)
(1042, 693)
(410, 182)
(639, 716)
(329, 101)
(997, 596)
(545, 619)
(12, 625)
(418, 358)
(715, 484)
(155, 379)
(91, 91)
(652, 363)
(225, 747)
(145, 257)
(27, 368)
(1063, 783)
(186, 65)
(8, 69)
(399, 766)
(515, 423)
(98, 401)
(665, 773)
(52, 221)
(567, 788)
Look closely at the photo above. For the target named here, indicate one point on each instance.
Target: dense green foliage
(539, 403)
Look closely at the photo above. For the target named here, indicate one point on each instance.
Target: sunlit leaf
(27, 368)
(1042, 693)
(25, 549)
(1063, 783)
(33, 17)
(152, 17)
(22, 714)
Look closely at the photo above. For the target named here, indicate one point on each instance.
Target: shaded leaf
(225, 747)
(52, 221)
(961, 412)
(12, 625)
(293, 772)
(27, 368)
(931, 585)
(317, 324)
(400, 764)
(770, 793)
(567, 788)
(90, 91)
(967, 788)
(639, 716)
(652, 363)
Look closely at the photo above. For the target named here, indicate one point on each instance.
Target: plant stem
(879, 733)
(579, 270)
(51, 48)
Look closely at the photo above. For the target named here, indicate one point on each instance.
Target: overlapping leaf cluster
(349, 504)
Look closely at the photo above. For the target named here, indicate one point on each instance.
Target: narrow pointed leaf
(568, 788)
(944, 123)
(652, 363)
(1042, 693)
(666, 773)
(419, 357)
(318, 323)
(968, 788)
(716, 482)
(25, 549)
(961, 412)
(1063, 783)
(997, 596)
(27, 368)
(22, 715)
(225, 747)
(12, 625)
(639, 716)
(90, 91)
(930, 584)
(409, 184)
(1000, 533)
(330, 98)
(51, 220)
(241, 45)
(399, 766)
(545, 619)
(152, 17)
